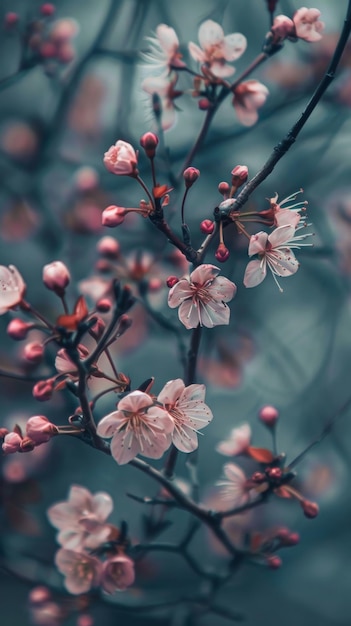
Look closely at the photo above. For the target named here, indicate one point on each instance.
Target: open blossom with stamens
(121, 159)
(164, 50)
(290, 214)
(275, 251)
(202, 297)
(216, 48)
(307, 24)
(137, 427)
(248, 97)
(234, 489)
(237, 443)
(70, 517)
(81, 570)
(188, 410)
(163, 87)
(12, 288)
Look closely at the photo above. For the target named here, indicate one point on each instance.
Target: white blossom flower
(216, 48)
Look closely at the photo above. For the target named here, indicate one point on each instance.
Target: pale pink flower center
(200, 294)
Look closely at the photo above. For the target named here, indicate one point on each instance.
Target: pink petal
(171, 392)
(222, 289)
(283, 262)
(234, 46)
(204, 273)
(179, 292)
(221, 70)
(193, 393)
(196, 52)
(281, 235)
(214, 314)
(71, 539)
(135, 402)
(109, 424)
(234, 473)
(167, 37)
(286, 217)
(185, 439)
(245, 116)
(102, 506)
(258, 243)
(210, 34)
(188, 314)
(169, 114)
(124, 447)
(255, 273)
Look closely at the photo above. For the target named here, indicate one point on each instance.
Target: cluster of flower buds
(38, 430)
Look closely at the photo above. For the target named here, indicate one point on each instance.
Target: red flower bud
(18, 329)
(274, 561)
(33, 352)
(43, 390)
(47, 9)
(207, 227)
(103, 305)
(190, 175)
(204, 104)
(240, 175)
(310, 509)
(11, 19)
(109, 247)
(113, 216)
(275, 473)
(171, 281)
(224, 188)
(149, 142)
(268, 415)
(222, 253)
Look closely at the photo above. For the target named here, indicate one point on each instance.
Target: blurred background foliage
(291, 350)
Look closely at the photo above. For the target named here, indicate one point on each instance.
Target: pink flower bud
(109, 247)
(12, 443)
(39, 429)
(66, 53)
(310, 509)
(11, 19)
(268, 415)
(47, 9)
(85, 620)
(125, 322)
(121, 159)
(207, 227)
(149, 142)
(38, 595)
(274, 561)
(171, 281)
(104, 305)
(204, 104)
(240, 174)
(56, 277)
(155, 284)
(43, 390)
(117, 574)
(113, 216)
(33, 352)
(48, 50)
(222, 253)
(282, 28)
(286, 538)
(18, 329)
(190, 175)
(224, 188)
(63, 30)
(99, 328)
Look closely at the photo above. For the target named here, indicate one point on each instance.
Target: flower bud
(258, 477)
(121, 159)
(11, 19)
(99, 327)
(56, 277)
(109, 247)
(171, 281)
(12, 443)
(39, 429)
(268, 415)
(149, 142)
(85, 620)
(207, 227)
(274, 473)
(43, 390)
(38, 595)
(18, 329)
(274, 561)
(310, 509)
(204, 104)
(155, 284)
(33, 352)
(125, 322)
(282, 28)
(224, 188)
(190, 175)
(104, 305)
(47, 9)
(113, 216)
(3, 433)
(240, 175)
(288, 539)
(222, 253)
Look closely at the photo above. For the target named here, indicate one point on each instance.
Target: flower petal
(204, 273)
(179, 292)
(171, 392)
(135, 402)
(222, 289)
(281, 235)
(210, 34)
(188, 314)
(258, 243)
(234, 46)
(109, 424)
(255, 273)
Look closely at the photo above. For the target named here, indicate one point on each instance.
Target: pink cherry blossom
(234, 489)
(237, 443)
(121, 159)
(56, 276)
(202, 298)
(248, 97)
(188, 410)
(137, 427)
(164, 50)
(275, 251)
(290, 214)
(12, 443)
(307, 24)
(69, 517)
(117, 573)
(12, 288)
(81, 570)
(39, 429)
(216, 48)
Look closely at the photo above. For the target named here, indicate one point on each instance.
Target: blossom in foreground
(164, 50)
(275, 251)
(81, 570)
(137, 427)
(121, 159)
(117, 573)
(248, 97)
(202, 297)
(70, 517)
(234, 488)
(12, 288)
(188, 410)
(216, 48)
(237, 443)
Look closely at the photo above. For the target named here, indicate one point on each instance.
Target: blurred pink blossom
(248, 97)
(81, 570)
(237, 442)
(216, 48)
(117, 573)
